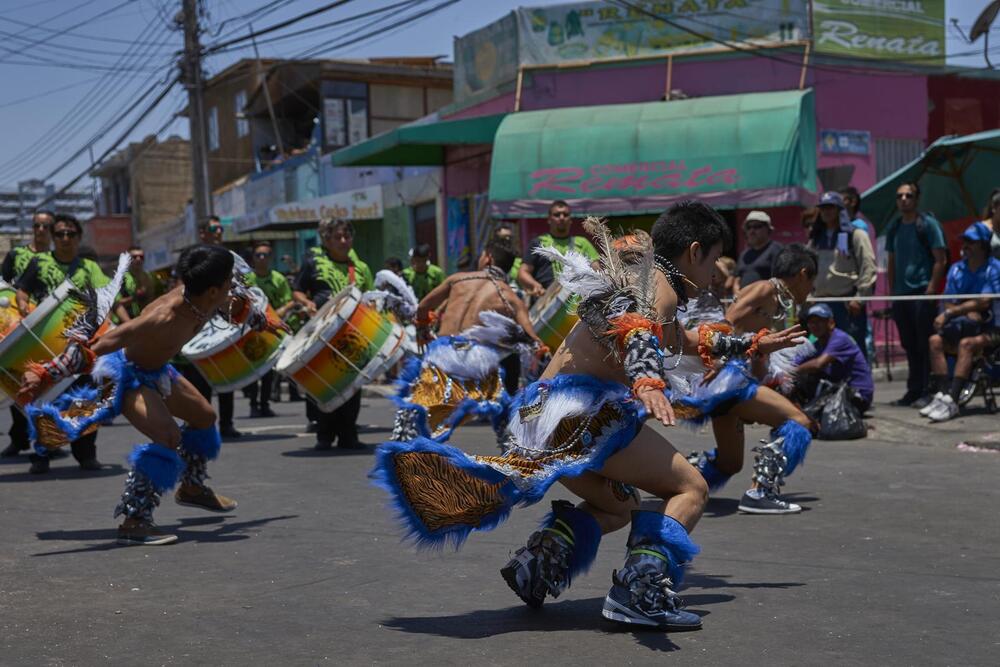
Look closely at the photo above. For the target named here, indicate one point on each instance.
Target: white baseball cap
(758, 216)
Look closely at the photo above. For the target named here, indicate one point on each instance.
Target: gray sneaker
(759, 501)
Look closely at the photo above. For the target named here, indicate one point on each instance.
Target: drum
(230, 356)
(346, 345)
(38, 337)
(553, 315)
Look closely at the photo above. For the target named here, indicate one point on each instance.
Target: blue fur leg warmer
(797, 439)
(202, 441)
(161, 465)
(580, 529)
(715, 478)
(663, 534)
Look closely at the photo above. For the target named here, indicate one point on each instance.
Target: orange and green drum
(554, 315)
(346, 345)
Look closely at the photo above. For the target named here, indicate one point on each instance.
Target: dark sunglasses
(560, 215)
(138, 255)
(64, 234)
(261, 255)
(213, 229)
(752, 227)
(906, 195)
(40, 225)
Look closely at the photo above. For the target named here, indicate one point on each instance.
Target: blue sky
(62, 61)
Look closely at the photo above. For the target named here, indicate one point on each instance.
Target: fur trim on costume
(585, 533)
(667, 536)
(98, 302)
(714, 477)
(733, 382)
(783, 364)
(161, 465)
(202, 441)
(797, 439)
(497, 330)
(562, 396)
(383, 475)
(461, 357)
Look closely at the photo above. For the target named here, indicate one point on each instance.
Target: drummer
(536, 272)
(326, 270)
(41, 276)
(138, 289)
(210, 233)
(13, 266)
(279, 295)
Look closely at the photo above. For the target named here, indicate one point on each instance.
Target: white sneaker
(947, 409)
(930, 407)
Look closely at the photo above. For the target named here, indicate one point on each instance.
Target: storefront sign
(903, 30)
(363, 204)
(589, 30)
(846, 142)
(628, 179)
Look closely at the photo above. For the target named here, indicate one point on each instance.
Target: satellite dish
(985, 20)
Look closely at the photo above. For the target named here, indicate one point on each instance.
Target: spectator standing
(964, 328)
(846, 265)
(275, 287)
(13, 266)
(917, 259)
(837, 358)
(991, 218)
(537, 273)
(138, 288)
(852, 202)
(326, 270)
(421, 274)
(42, 275)
(757, 261)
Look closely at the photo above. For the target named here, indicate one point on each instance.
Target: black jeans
(18, 429)
(192, 375)
(915, 323)
(259, 391)
(340, 425)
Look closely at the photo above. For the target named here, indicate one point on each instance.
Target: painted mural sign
(591, 30)
(628, 180)
(902, 30)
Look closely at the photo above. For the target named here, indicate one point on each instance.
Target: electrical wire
(278, 26)
(77, 25)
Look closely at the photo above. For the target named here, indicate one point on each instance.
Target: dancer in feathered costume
(765, 304)
(459, 376)
(134, 379)
(582, 425)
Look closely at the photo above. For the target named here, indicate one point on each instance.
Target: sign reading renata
(624, 180)
(903, 30)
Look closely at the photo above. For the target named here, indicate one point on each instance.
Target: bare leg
(770, 408)
(186, 402)
(652, 464)
(968, 350)
(729, 441)
(609, 502)
(939, 364)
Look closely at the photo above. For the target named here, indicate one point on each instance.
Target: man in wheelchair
(965, 329)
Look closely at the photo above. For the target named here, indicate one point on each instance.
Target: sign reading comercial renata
(902, 30)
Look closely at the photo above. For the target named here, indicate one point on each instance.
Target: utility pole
(196, 111)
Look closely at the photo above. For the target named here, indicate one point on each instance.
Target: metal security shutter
(893, 154)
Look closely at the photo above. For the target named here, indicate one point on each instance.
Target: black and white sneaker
(760, 501)
(647, 600)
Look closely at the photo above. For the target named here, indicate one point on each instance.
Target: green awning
(956, 175)
(418, 143)
(734, 151)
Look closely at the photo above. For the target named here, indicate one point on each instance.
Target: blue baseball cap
(978, 231)
(831, 199)
(820, 310)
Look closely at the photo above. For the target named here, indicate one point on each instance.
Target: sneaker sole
(619, 614)
(509, 575)
(757, 510)
(167, 539)
(217, 510)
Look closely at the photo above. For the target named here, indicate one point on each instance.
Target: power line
(76, 35)
(277, 26)
(252, 15)
(81, 23)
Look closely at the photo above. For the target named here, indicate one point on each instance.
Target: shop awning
(734, 151)
(956, 175)
(418, 144)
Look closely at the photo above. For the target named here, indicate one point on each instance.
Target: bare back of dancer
(469, 294)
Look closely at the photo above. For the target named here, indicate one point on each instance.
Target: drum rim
(229, 338)
(384, 358)
(296, 364)
(547, 311)
(256, 374)
(41, 311)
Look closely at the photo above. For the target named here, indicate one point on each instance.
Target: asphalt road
(894, 562)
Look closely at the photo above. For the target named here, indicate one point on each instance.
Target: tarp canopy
(956, 175)
(736, 151)
(418, 143)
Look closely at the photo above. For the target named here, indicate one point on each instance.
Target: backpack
(922, 235)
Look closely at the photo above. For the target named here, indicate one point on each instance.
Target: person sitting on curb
(837, 359)
(964, 328)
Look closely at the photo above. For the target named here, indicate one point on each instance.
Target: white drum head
(304, 345)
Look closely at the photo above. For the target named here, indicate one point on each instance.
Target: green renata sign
(903, 30)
